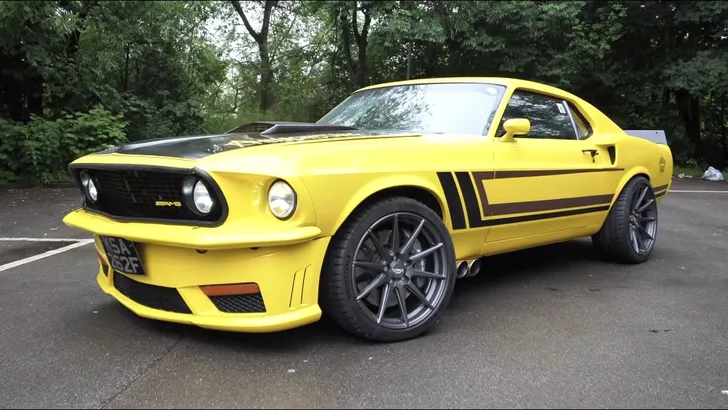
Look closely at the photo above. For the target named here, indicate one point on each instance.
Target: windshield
(465, 108)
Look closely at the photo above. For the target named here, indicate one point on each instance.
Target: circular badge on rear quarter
(389, 272)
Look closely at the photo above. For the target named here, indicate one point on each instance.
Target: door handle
(593, 153)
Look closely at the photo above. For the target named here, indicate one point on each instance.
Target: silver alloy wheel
(643, 220)
(399, 271)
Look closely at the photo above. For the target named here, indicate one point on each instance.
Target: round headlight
(281, 200)
(93, 193)
(89, 187)
(201, 198)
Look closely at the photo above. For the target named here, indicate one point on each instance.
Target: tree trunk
(74, 39)
(125, 73)
(34, 82)
(689, 108)
(361, 71)
(70, 99)
(266, 78)
(13, 92)
(266, 70)
(346, 43)
(665, 106)
(35, 95)
(358, 70)
(361, 43)
(723, 136)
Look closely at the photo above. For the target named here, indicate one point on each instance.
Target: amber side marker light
(229, 290)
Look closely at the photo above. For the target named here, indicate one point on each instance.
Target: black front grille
(135, 193)
(155, 297)
(145, 194)
(251, 303)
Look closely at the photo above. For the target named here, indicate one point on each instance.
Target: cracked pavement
(543, 328)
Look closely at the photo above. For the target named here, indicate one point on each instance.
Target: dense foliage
(78, 75)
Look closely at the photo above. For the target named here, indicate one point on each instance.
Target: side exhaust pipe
(463, 269)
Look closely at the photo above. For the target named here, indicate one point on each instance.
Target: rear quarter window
(583, 128)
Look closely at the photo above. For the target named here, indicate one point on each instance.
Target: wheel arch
(628, 176)
(419, 189)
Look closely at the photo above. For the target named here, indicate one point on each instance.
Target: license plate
(123, 255)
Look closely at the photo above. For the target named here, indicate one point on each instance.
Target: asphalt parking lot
(543, 328)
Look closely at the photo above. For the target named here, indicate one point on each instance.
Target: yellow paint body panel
(333, 176)
(287, 277)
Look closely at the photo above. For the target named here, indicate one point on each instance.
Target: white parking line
(78, 244)
(40, 240)
(697, 192)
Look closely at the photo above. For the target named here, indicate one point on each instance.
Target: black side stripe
(452, 196)
(471, 200)
(473, 211)
(549, 215)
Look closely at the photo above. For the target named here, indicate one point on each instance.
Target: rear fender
(638, 170)
(662, 168)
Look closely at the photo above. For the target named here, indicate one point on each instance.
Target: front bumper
(277, 284)
(229, 236)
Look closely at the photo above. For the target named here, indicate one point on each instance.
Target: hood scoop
(273, 128)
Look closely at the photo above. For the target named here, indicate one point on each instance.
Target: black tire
(633, 213)
(339, 289)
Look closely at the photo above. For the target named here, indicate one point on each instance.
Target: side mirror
(515, 126)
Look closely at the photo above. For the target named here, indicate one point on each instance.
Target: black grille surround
(131, 192)
(250, 303)
(151, 296)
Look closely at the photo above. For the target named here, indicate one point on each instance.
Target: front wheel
(389, 271)
(630, 230)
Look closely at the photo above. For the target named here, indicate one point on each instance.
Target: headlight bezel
(294, 195)
(189, 187)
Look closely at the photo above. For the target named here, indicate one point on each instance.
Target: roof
(596, 117)
(505, 81)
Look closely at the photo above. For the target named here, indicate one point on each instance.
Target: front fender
(335, 198)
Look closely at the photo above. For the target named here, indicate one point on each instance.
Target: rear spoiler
(656, 136)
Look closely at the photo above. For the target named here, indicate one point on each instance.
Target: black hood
(258, 133)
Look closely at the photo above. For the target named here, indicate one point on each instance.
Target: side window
(582, 125)
(548, 115)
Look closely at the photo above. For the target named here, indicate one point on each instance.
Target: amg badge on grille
(168, 203)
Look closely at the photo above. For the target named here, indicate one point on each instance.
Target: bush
(41, 150)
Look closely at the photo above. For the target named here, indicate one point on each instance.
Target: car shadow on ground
(551, 263)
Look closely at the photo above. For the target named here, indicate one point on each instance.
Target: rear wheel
(389, 271)
(630, 230)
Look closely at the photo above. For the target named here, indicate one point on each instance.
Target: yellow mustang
(370, 214)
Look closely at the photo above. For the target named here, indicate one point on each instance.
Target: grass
(695, 172)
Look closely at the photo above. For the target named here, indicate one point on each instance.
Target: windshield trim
(435, 82)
